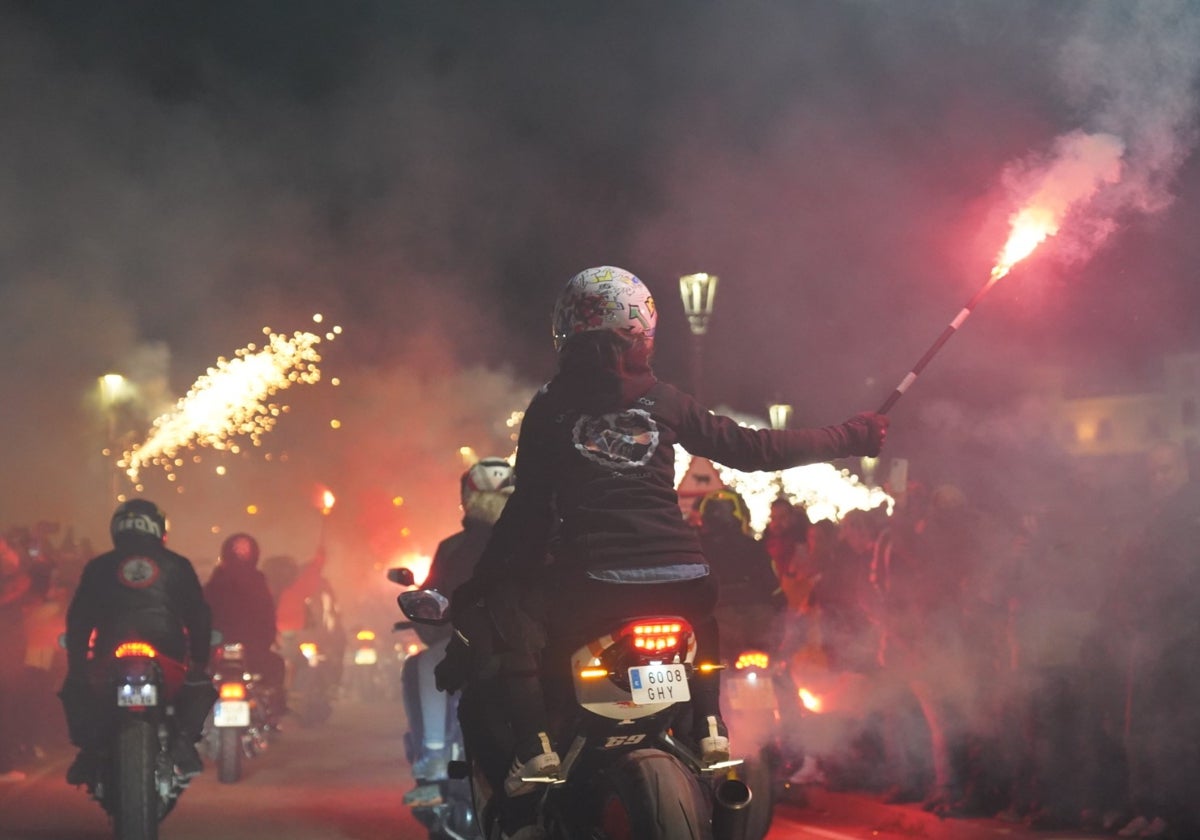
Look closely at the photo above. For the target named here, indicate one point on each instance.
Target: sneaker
(423, 796)
(13, 776)
(541, 765)
(714, 744)
(82, 769)
(1134, 827)
(187, 758)
(1156, 828)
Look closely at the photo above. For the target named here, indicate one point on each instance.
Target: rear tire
(229, 755)
(649, 795)
(136, 814)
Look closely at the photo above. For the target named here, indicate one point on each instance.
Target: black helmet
(138, 520)
(240, 550)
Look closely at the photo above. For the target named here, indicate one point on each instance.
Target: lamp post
(114, 388)
(780, 415)
(698, 292)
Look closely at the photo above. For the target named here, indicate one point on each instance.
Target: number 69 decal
(623, 740)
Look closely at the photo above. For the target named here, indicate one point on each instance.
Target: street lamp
(698, 292)
(114, 388)
(780, 415)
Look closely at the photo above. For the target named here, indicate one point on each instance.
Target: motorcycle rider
(596, 464)
(243, 611)
(139, 589)
(483, 491)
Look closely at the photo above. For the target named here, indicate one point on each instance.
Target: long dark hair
(593, 365)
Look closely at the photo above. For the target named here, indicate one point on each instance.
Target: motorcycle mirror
(425, 606)
(401, 575)
(216, 637)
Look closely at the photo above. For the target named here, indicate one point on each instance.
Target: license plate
(137, 695)
(658, 684)
(231, 713)
(365, 656)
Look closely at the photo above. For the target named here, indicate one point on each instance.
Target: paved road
(340, 781)
(344, 781)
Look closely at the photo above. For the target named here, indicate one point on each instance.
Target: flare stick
(950, 330)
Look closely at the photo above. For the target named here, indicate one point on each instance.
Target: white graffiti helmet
(485, 489)
(488, 475)
(604, 298)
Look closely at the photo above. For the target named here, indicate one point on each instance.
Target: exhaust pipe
(731, 810)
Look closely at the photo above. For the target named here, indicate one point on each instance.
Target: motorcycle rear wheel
(229, 755)
(136, 814)
(649, 795)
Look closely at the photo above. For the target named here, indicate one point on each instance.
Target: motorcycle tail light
(233, 691)
(752, 659)
(135, 649)
(656, 635)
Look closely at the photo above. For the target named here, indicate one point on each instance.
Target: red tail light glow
(656, 635)
(233, 691)
(134, 649)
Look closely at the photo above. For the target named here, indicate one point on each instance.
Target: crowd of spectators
(39, 569)
(1038, 665)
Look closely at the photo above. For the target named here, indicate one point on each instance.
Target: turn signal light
(365, 635)
(593, 673)
(233, 691)
(135, 649)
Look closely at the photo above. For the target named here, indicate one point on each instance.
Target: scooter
(620, 695)
(442, 803)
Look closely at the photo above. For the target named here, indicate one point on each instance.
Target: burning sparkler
(1083, 164)
(825, 491)
(231, 400)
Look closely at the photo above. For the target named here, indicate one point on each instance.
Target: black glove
(865, 433)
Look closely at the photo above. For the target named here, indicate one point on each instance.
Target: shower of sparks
(231, 401)
(825, 491)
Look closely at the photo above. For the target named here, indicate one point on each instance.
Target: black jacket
(148, 593)
(242, 607)
(608, 479)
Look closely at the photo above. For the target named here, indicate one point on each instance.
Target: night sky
(176, 175)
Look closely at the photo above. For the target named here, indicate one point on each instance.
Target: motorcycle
(312, 684)
(750, 694)
(366, 671)
(625, 773)
(136, 782)
(240, 727)
(443, 804)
